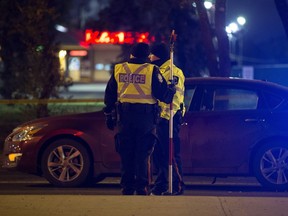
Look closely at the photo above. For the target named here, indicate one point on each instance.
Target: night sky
(263, 21)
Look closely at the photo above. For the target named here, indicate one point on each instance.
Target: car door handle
(184, 123)
(255, 120)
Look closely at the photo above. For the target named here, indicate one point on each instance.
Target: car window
(273, 100)
(223, 99)
(189, 93)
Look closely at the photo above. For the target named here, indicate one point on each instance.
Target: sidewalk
(79, 205)
(118, 205)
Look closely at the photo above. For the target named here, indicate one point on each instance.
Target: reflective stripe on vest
(134, 83)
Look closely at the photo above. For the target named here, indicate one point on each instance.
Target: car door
(221, 126)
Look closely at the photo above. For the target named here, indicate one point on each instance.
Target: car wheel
(66, 163)
(271, 166)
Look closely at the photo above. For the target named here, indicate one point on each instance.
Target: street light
(241, 20)
(61, 28)
(210, 7)
(234, 27)
(235, 31)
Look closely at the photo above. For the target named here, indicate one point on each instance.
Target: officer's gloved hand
(172, 88)
(109, 119)
(169, 94)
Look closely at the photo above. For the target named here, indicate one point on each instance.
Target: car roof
(263, 85)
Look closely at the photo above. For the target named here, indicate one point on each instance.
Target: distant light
(61, 28)
(99, 66)
(208, 5)
(84, 44)
(107, 67)
(232, 28)
(74, 64)
(78, 53)
(62, 53)
(228, 30)
(107, 37)
(241, 20)
(39, 48)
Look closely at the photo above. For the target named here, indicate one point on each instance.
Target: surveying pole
(171, 148)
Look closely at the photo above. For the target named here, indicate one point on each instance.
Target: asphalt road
(14, 182)
(23, 194)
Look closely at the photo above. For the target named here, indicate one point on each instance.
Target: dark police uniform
(135, 86)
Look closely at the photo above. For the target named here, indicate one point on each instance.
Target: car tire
(66, 163)
(271, 166)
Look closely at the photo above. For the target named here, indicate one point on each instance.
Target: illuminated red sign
(78, 53)
(106, 37)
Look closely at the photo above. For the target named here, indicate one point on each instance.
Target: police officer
(135, 86)
(160, 56)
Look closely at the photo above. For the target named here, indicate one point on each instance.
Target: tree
(28, 51)
(215, 39)
(159, 18)
(207, 33)
(195, 49)
(222, 39)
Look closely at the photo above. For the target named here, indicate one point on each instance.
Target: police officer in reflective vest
(135, 86)
(160, 56)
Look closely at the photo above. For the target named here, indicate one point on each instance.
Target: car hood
(97, 115)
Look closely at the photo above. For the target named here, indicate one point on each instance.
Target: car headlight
(26, 133)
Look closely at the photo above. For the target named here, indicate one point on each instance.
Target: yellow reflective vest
(178, 98)
(134, 83)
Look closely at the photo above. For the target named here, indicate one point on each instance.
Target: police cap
(140, 50)
(161, 51)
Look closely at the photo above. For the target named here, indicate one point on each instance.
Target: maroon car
(232, 127)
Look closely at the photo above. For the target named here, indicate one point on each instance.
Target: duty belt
(137, 107)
